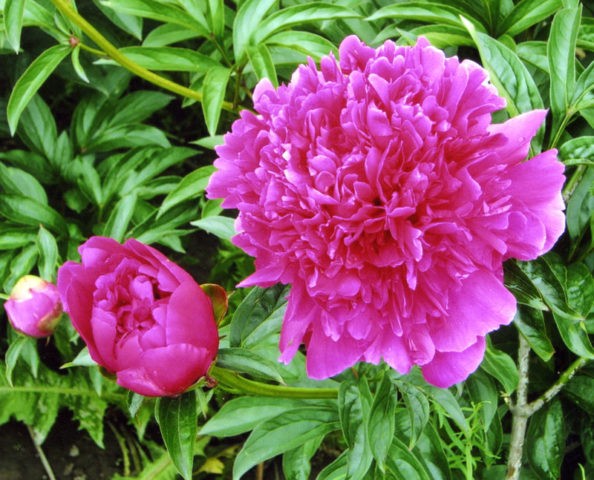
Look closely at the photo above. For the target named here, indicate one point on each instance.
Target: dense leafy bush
(109, 117)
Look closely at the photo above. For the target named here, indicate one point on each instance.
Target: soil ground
(70, 452)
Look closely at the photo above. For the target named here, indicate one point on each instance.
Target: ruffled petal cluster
(378, 187)
(142, 316)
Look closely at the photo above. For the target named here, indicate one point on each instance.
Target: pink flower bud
(142, 317)
(34, 307)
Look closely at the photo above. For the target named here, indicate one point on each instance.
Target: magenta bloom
(379, 189)
(143, 317)
(34, 307)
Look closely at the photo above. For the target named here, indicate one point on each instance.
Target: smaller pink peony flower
(142, 316)
(377, 186)
(34, 307)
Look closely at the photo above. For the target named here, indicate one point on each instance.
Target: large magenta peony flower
(379, 189)
(143, 317)
(34, 307)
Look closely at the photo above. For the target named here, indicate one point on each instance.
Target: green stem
(519, 417)
(110, 50)
(568, 114)
(44, 461)
(231, 380)
(547, 396)
(522, 410)
(92, 50)
(571, 184)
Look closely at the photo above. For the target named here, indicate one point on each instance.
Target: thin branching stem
(44, 461)
(522, 410)
(519, 418)
(114, 53)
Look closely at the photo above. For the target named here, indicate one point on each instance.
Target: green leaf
(580, 289)
(354, 403)
(243, 414)
(166, 59)
(128, 136)
(78, 68)
(580, 206)
(262, 63)
(156, 10)
(189, 188)
(296, 462)
(430, 449)
(443, 36)
(561, 53)
(22, 347)
(17, 182)
(572, 329)
(13, 22)
(422, 12)
(578, 150)
(131, 24)
(337, 470)
(89, 181)
(257, 316)
(177, 418)
(31, 80)
(545, 440)
(417, 407)
(583, 85)
(246, 22)
(213, 91)
(48, 254)
(119, 218)
(299, 15)
(21, 264)
(30, 162)
(283, 433)
(485, 397)
(137, 106)
(12, 239)
(82, 359)
(581, 390)
(307, 43)
(450, 405)
(381, 422)
(168, 34)
(248, 361)
(222, 227)
(216, 16)
(26, 211)
(501, 367)
(534, 53)
(37, 128)
(522, 287)
(531, 324)
(550, 276)
(527, 13)
(403, 463)
(508, 74)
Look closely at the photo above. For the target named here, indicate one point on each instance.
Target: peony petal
(326, 357)
(166, 371)
(519, 131)
(480, 306)
(102, 343)
(536, 192)
(190, 318)
(449, 368)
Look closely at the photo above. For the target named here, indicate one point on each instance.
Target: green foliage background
(108, 118)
